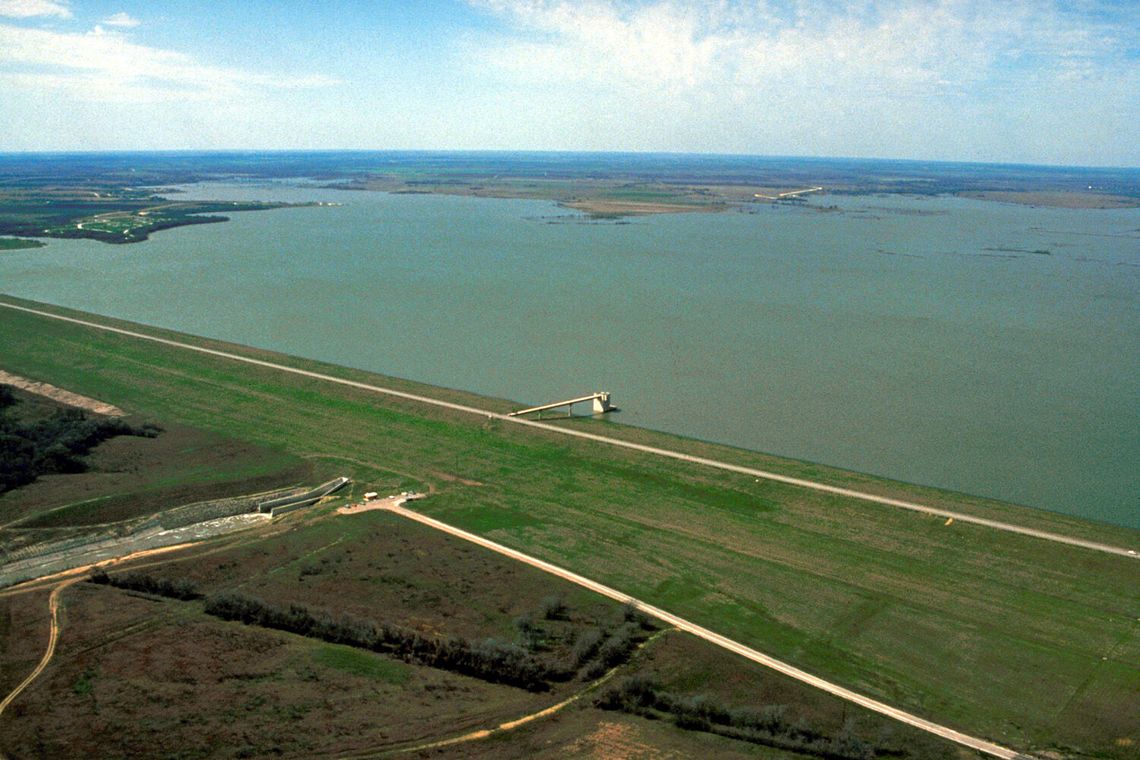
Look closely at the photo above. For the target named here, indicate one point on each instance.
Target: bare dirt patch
(596, 735)
(618, 741)
(61, 395)
(450, 478)
(375, 504)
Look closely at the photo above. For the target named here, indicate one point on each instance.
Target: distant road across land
(721, 641)
(680, 456)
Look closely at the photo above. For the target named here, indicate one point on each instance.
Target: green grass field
(363, 664)
(1028, 643)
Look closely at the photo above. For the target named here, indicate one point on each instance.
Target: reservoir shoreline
(1033, 522)
(927, 340)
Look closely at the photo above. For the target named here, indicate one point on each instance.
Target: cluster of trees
(489, 660)
(767, 725)
(613, 649)
(53, 445)
(595, 649)
(181, 589)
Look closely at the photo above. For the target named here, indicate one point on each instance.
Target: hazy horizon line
(545, 152)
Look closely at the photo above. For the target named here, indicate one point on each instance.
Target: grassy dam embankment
(1026, 642)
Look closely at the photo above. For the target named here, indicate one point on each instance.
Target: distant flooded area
(985, 347)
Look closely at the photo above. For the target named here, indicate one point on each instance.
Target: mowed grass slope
(1026, 642)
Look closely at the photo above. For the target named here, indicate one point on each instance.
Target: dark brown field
(139, 676)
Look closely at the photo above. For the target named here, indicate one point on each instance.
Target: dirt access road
(72, 576)
(670, 454)
(735, 647)
(63, 580)
(374, 504)
(53, 638)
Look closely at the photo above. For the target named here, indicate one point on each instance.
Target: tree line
(594, 651)
(489, 659)
(767, 725)
(57, 444)
(181, 589)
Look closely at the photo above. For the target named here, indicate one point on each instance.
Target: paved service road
(726, 643)
(884, 500)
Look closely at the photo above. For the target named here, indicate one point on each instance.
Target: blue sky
(1034, 81)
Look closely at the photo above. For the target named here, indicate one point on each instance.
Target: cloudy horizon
(1030, 81)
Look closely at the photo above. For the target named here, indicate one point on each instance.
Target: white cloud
(33, 8)
(870, 78)
(104, 66)
(122, 20)
(902, 47)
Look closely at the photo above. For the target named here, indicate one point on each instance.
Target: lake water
(925, 339)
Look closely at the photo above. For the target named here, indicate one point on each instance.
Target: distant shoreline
(112, 197)
(1056, 199)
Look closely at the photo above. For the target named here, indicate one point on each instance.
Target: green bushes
(615, 649)
(767, 725)
(631, 613)
(586, 647)
(531, 633)
(581, 650)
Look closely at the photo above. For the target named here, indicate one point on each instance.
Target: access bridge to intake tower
(601, 401)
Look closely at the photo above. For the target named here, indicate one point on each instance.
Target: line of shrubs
(596, 650)
(767, 725)
(180, 589)
(489, 659)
